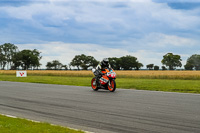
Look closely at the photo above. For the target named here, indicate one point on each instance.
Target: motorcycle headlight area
(111, 74)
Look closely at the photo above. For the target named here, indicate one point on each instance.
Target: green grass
(17, 125)
(171, 85)
(186, 86)
(61, 80)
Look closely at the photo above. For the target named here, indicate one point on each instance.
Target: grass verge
(18, 125)
(171, 85)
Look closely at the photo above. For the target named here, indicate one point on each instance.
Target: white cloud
(159, 42)
(101, 20)
(142, 11)
(163, 40)
(100, 1)
(177, 1)
(140, 28)
(65, 52)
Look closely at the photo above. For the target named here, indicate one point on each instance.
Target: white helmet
(105, 61)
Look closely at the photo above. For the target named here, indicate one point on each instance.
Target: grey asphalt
(124, 111)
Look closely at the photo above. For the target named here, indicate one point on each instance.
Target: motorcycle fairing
(104, 80)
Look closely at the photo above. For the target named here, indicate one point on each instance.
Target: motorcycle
(107, 80)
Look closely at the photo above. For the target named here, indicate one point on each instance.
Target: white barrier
(21, 74)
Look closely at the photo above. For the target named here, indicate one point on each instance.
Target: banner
(21, 74)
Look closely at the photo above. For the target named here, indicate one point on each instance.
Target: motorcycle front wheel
(112, 85)
(94, 84)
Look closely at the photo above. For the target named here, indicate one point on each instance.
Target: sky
(61, 29)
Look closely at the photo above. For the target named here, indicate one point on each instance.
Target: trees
(90, 62)
(29, 58)
(84, 61)
(7, 52)
(56, 65)
(49, 65)
(115, 63)
(65, 67)
(36, 58)
(150, 66)
(11, 57)
(17, 61)
(2, 59)
(164, 68)
(139, 65)
(193, 62)
(126, 62)
(189, 66)
(156, 67)
(171, 61)
(129, 62)
(76, 61)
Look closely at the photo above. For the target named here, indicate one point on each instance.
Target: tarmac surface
(123, 111)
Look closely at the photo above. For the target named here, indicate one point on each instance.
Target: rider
(101, 67)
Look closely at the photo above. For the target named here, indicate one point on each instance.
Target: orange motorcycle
(107, 80)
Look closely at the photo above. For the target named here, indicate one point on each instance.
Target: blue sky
(61, 29)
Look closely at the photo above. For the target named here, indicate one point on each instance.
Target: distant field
(195, 75)
(173, 81)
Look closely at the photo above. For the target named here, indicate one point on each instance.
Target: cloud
(95, 17)
(177, 1)
(62, 29)
(65, 52)
(95, 12)
(163, 40)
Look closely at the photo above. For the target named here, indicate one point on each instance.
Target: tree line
(13, 59)
(127, 62)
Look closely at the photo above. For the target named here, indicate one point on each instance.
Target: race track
(124, 111)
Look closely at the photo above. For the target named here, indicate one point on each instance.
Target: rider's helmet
(105, 61)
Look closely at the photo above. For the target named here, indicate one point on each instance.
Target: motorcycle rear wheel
(112, 86)
(94, 84)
